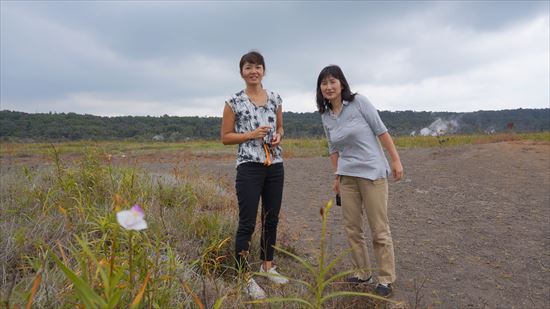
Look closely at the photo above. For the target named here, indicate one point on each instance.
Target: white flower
(132, 219)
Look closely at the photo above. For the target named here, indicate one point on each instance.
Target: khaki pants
(360, 196)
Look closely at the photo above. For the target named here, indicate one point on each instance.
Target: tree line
(20, 126)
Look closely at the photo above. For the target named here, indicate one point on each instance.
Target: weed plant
(318, 290)
(62, 247)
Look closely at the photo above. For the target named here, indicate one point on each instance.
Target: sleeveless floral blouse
(248, 117)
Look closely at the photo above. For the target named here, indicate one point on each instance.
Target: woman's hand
(276, 140)
(336, 186)
(260, 132)
(397, 170)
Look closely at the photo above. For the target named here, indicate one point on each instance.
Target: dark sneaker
(383, 290)
(356, 280)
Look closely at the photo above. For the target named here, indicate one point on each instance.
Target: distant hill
(19, 126)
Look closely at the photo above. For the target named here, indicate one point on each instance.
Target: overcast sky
(181, 58)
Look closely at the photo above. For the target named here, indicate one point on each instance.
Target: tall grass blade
(222, 243)
(339, 275)
(115, 298)
(280, 276)
(35, 286)
(195, 297)
(334, 262)
(62, 252)
(349, 293)
(281, 299)
(139, 296)
(219, 302)
(302, 261)
(87, 294)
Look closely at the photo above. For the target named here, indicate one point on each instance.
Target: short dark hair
(334, 71)
(253, 57)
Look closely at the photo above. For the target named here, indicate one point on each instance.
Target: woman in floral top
(253, 118)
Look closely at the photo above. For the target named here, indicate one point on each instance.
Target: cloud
(106, 105)
(50, 67)
(179, 58)
(499, 70)
(502, 85)
(299, 102)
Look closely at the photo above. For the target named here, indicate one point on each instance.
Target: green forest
(25, 127)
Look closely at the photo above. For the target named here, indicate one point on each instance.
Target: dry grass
(60, 201)
(60, 244)
(215, 150)
(60, 210)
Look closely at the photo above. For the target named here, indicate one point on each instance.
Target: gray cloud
(181, 58)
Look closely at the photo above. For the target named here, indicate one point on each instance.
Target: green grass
(459, 140)
(115, 148)
(215, 149)
(192, 148)
(536, 137)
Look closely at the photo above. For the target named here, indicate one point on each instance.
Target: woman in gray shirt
(354, 129)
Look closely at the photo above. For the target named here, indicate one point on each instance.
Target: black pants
(254, 180)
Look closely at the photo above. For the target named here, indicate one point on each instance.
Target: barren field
(471, 224)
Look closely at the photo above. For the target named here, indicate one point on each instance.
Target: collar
(344, 103)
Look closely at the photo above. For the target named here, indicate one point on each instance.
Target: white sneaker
(254, 290)
(277, 278)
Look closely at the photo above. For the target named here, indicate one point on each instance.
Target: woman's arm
(228, 134)
(396, 167)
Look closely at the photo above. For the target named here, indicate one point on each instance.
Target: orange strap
(267, 155)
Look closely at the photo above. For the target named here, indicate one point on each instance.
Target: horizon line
(198, 116)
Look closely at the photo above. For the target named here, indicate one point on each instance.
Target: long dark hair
(334, 71)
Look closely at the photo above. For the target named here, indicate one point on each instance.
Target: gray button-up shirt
(353, 135)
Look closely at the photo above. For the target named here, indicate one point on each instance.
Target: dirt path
(471, 223)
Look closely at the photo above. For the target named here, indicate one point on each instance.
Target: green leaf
(115, 294)
(219, 302)
(349, 293)
(86, 293)
(309, 286)
(281, 299)
(339, 275)
(115, 298)
(334, 262)
(306, 264)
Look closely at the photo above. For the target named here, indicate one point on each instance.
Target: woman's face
(252, 73)
(331, 88)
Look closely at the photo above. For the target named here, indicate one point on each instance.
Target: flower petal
(122, 218)
(140, 225)
(132, 219)
(138, 209)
